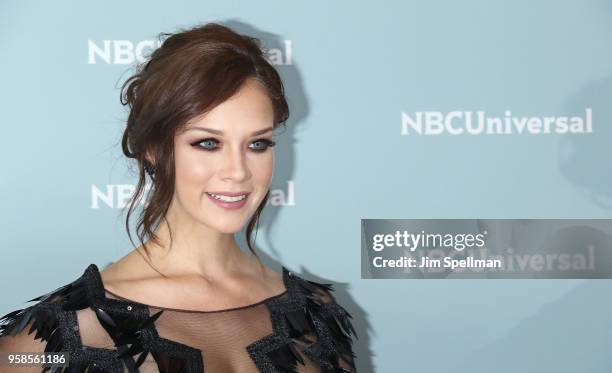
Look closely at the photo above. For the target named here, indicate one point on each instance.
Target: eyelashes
(211, 144)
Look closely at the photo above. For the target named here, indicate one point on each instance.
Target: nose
(234, 167)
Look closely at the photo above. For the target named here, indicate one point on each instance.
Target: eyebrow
(218, 132)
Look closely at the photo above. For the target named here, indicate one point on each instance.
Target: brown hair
(192, 72)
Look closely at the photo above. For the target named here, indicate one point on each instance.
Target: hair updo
(192, 72)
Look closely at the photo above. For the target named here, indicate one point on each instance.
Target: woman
(203, 111)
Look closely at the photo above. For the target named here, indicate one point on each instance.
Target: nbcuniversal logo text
(125, 52)
(481, 123)
(118, 196)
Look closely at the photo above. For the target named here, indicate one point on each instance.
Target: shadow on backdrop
(284, 171)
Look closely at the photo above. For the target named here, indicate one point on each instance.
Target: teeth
(227, 198)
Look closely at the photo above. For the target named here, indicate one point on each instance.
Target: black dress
(302, 329)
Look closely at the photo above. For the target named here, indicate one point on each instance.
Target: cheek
(190, 168)
(263, 169)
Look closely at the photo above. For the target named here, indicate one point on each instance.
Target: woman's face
(226, 152)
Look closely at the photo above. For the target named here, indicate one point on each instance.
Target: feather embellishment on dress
(312, 323)
(302, 329)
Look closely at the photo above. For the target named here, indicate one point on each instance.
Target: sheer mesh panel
(88, 321)
(91, 332)
(221, 336)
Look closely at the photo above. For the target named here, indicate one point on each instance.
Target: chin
(229, 230)
(229, 227)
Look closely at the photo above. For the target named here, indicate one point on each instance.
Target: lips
(230, 194)
(230, 205)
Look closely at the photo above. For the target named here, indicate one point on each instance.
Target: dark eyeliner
(212, 139)
(269, 144)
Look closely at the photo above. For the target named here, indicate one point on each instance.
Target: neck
(195, 250)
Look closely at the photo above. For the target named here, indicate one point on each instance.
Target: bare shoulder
(271, 279)
(127, 276)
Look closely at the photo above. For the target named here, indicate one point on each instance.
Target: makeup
(228, 204)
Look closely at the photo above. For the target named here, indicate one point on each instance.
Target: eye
(207, 144)
(211, 144)
(262, 144)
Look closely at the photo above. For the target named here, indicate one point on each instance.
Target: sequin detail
(308, 328)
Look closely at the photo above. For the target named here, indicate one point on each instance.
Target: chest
(247, 340)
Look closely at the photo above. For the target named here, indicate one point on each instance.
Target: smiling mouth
(229, 197)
